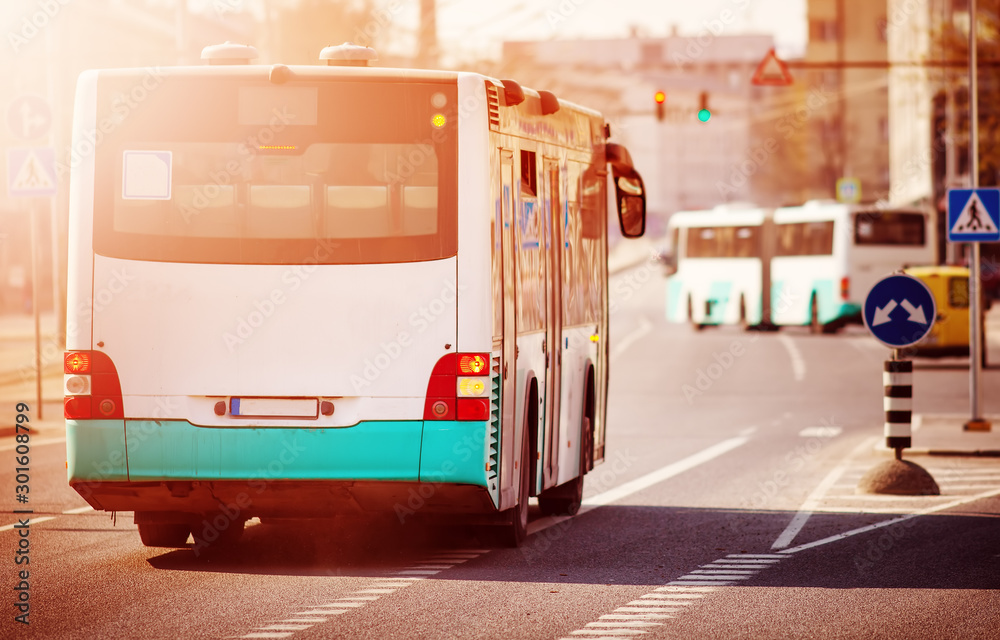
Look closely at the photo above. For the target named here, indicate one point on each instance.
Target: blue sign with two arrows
(899, 310)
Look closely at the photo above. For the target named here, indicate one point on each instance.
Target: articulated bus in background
(345, 289)
(810, 265)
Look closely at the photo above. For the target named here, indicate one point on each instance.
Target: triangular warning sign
(974, 218)
(32, 175)
(771, 71)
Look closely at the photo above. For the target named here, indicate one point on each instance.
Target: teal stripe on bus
(718, 293)
(454, 452)
(177, 449)
(674, 300)
(95, 450)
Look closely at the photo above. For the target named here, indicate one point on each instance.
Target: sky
(476, 28)
(476, 25)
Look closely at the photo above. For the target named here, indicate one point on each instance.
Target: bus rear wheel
(512, 533)
(815, 326)
(210, 537)
(694, 325)
(164, 534)
(565, 500)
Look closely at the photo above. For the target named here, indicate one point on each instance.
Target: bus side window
(529, 175)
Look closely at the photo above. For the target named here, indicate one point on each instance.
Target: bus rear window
(340, 173)
(889, 228)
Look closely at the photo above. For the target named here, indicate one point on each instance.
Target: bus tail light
(92, 387)
(845, 288)
(459, 388)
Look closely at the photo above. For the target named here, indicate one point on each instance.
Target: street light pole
(976, 421)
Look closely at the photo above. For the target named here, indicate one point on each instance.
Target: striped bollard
(897, 379)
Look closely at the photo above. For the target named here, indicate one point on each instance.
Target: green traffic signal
(704, 115)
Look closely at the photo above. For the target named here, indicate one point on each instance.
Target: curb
(968, 453)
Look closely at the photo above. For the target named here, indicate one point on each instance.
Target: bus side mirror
(630, 192)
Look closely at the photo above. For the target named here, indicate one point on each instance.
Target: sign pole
(976, 421)
(34, 307)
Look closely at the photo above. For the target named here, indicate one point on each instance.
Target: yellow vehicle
(950, 334)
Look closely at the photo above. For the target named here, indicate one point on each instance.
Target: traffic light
(703, 112)
(660, 99)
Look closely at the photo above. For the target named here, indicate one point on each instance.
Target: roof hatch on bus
(348, 54)
(229, 53)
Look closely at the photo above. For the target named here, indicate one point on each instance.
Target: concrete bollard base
(898, 477)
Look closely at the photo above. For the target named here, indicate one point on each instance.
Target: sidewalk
(943, 435)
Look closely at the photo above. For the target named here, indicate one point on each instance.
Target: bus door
(508, 366)
(553, 317)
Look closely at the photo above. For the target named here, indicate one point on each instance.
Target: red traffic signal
(660, 98)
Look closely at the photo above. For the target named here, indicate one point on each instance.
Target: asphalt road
(725, 509)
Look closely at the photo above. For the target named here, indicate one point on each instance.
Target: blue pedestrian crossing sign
(973, 215)
(899, 310)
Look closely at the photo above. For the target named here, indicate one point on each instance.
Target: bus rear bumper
(173, 465)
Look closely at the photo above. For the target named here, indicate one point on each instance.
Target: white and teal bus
(305, 291)
(809, 265)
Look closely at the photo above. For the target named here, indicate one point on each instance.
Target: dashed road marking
(666, 602)
(798, 362)
(373, 591)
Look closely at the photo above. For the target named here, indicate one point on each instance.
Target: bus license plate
(274, 407)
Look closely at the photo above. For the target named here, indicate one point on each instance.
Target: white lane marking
(814, 499)
(643, 482)
(416, 572)
(664, 473)
(313, 612)
(688, 589)
(645, 326)
(634, 616)
(359, 598)
(35, 442)
(71, 512)
(820, 432)
(623, 623)
(31, 521)
(727, 572)
(756, 555)
(886, 523)
(798, 362)
(307, 620)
